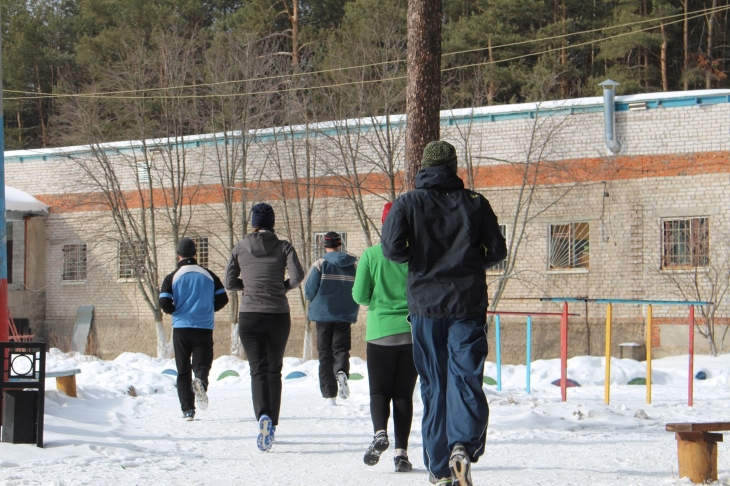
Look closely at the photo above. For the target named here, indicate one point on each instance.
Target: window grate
(201, 244)
(686, 243)
(569, 246)
(127, 257)
(74, 263)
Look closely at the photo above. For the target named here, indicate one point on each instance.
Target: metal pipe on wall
(609, 115)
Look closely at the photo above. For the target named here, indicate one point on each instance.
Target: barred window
(74, 263)
(685, 243)
(569, 246)
(503, 264)
(127, 255)
(201, 244)
(318, 244)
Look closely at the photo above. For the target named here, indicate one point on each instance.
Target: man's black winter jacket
(448, 235)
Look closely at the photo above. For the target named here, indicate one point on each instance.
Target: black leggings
(264, 338)
(392, 377)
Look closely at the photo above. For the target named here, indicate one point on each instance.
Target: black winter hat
(332, 240)
(262, 216)
(186, 248)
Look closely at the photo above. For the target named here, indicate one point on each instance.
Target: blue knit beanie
(262, 216)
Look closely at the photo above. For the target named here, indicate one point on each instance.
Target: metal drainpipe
(609, 115)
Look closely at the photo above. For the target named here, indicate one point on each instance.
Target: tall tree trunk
(41, 113)
(710, 45)
(295, 35)
(663, 58)
(685, 41)
(423, 85)
(563, 52)
(20, 127)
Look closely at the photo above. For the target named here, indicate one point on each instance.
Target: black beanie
(332, 240)
(186, 248)
(262, 216)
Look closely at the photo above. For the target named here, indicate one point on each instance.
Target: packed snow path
(108, 437)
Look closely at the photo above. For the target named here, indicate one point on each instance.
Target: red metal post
(564, 353)
(691, 378)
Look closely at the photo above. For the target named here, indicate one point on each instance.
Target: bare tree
(237, 70)
(364, 143)
(148, 187)
(697, 267)
(292, 174)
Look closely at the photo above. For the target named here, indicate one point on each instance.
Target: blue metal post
(499, 353)
(528, 359)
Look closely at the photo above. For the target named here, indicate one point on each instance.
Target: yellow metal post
(648, 354)
(607, 385)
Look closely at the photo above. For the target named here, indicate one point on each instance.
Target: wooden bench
(697, 449)
(65, 380)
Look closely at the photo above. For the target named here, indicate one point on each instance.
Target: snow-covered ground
(106, 436)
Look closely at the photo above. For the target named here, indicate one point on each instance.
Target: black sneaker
(379, 445)
(402, 464)
(460, 465)
(189, 415)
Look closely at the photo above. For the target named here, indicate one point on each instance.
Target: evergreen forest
(146, 69)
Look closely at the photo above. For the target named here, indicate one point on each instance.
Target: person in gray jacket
(328, 288)
(257, 267)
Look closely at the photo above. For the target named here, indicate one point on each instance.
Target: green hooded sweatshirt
(380, 284)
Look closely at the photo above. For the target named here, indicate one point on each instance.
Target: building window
(143, 174)
(503, 264)
(201, 245)
(74, 263)
(127, 257)
(318, 242)
(569, 246)
(686, 243)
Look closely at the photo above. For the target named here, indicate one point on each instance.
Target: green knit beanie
(439, 153)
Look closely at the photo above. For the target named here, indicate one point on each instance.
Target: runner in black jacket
(448, 235)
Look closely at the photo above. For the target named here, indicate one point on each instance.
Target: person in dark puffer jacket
(258, 267)
(328, 288)
(448, 235)
(192, 294)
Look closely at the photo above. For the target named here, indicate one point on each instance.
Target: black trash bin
(22, 392)
(20, 424)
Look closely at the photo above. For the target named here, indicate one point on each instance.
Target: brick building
(650, 220)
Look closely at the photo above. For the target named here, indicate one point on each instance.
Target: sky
(107, 436)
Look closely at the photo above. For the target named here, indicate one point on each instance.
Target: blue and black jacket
(192, 294)
(328, 288)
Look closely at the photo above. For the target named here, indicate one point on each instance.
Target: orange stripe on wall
(500, 175)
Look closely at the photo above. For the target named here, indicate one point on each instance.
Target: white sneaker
(332, 401)
(201, 398)
(344, 387)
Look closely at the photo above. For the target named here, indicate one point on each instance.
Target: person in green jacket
(380, 284)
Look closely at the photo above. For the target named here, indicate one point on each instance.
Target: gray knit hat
(439, 152)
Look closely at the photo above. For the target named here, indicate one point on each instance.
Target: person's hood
(438, 177)
(339, 258)
(260, 243)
